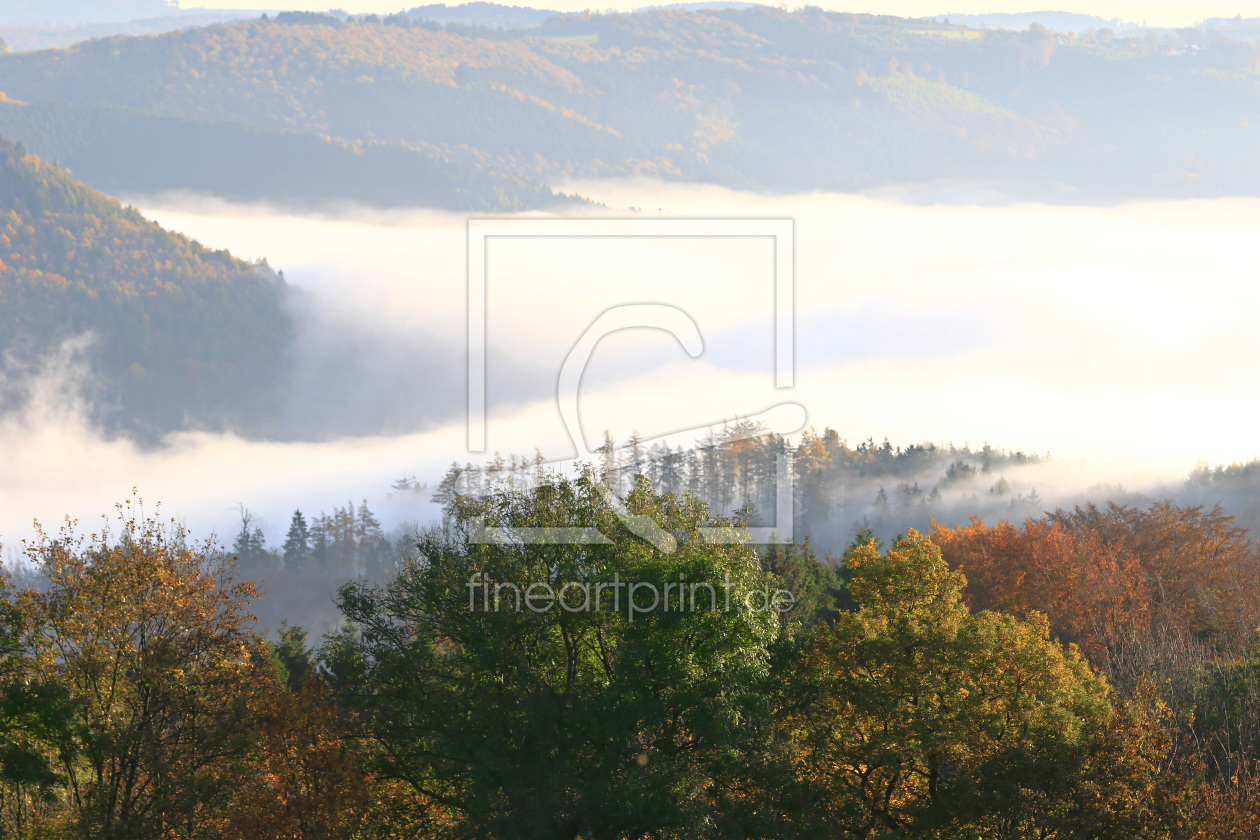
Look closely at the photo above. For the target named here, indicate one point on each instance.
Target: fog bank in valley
(1120, 336)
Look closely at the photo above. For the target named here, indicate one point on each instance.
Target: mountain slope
(120, 150)
(184, 337)
(758, 97)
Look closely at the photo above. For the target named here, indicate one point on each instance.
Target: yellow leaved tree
(914, 716)
(149, 635)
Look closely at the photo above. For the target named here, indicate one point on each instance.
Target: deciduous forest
(1091, 673)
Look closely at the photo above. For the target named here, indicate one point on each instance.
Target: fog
(1121, 336)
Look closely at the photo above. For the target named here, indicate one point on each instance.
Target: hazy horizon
(1156, 13)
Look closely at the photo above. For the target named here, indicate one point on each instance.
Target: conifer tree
(372, 545)
(250, 545)
(297, 545)
(321, 543)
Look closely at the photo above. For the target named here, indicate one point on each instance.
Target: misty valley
(713, 420)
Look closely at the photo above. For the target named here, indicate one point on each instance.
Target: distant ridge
(489, 15)
(709, 5)
(1055, 21)
(311, 107)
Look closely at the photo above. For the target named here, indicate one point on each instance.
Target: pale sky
(1153, 12)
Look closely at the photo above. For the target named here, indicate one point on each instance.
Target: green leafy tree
(585, 719)
(815, 588)
(35, 722)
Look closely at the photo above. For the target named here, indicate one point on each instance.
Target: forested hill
(755, 97)
(228, 145)
(180, 335)
(121, 150)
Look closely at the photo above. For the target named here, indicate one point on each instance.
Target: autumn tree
(1202, 570)
(304, 776)
(1143, 590)
(1093, 591)
(148, 634)
(914, 716)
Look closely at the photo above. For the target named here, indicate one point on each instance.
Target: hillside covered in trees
(119, 150)
(757, 97)
(179, 336)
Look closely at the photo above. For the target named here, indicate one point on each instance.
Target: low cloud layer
(1117, 335)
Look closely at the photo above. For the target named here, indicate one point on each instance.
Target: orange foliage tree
(1139, 590)
(1093, 592)
(304, 779)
